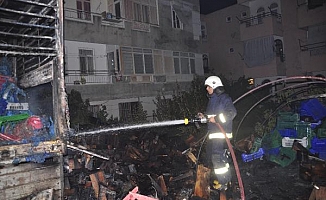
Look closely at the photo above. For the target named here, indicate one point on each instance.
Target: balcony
(78, 15)
(261, 25)
(106, 18)
(76, 77)
(311, 13)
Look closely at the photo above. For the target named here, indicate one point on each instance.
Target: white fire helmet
(213, 82)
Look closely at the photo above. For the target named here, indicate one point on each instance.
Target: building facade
(121, 52)
(272, 39)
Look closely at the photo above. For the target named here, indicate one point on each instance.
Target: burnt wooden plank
(202, 182)
(25, 179)
(8, 152)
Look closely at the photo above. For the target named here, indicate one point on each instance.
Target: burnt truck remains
(33, 103)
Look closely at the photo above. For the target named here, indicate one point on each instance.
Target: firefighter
(220, 109)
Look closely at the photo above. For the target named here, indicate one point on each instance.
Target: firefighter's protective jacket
(217, 104)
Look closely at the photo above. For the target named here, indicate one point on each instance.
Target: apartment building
(121, 52)
(267, 39)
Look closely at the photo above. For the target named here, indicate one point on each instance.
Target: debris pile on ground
(154, 164)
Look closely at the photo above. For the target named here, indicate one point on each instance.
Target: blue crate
(313, 108)
(291, 133)
(318, 144)
(253, 156)
(272, 151)
(320, 154)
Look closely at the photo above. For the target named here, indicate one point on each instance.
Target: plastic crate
(320, 154)
(285, 157)
(288, 117)
(253, 156)
(313, 108)
(256, 145)
(271, 140)
(318, 144)
(272, 151)
(303, 129)
(288, 142)
(280, 125)
(292, 133)
(321, 133)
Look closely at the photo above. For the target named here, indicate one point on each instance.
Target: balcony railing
(258, 19)
(314, 48)
(76, 77)
(311, 4)
(77, 14)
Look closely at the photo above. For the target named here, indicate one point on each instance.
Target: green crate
(280, 125)
(271, 140)
(286, 156)
(288, 117)
(321, 133)
(256, 145)
(303, 129)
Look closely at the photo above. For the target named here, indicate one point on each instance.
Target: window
(113, 61)
(143, 61)
(141, 13)
(203, 31)
(84, 9)
(86, 61)
(128, 111)
(94, 109)
(184, 63)
(273, 8)
(176, 23)
(244, 14)
(260, 14)
(137, 60)
(114, 8)
(205, 63)
(279, 49)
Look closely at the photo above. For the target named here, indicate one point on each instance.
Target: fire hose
(235, 163)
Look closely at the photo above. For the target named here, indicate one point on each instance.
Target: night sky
(208, 6)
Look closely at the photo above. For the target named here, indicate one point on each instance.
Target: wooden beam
(202, 182)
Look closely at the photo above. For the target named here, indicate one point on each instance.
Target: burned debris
(151, 162)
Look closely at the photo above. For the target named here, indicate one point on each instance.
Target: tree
(78, 109)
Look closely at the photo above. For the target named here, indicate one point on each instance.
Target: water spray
(139, 126)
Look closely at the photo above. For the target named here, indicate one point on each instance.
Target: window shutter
(128, 9)
(153, 15)
(127, 63)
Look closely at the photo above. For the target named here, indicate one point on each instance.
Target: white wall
(72, 54)
(112, 106)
